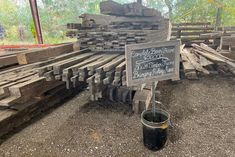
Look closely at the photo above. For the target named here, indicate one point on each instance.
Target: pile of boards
(199, 32)
(202, 60)
(26, 56)
(119, 25)
(104, 72)
(24, 94)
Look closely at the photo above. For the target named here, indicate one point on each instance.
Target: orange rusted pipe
(36, 19)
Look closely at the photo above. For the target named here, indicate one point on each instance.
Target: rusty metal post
(36, 19)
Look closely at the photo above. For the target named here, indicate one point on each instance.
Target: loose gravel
(202, 115)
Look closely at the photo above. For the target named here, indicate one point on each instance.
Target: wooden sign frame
(129, 50)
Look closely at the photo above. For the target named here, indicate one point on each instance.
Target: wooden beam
(33, 56)
(8, 60)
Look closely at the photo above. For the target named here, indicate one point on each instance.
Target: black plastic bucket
(155, 128)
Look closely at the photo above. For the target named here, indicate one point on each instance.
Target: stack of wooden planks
(194, 33)
(22, 83)
(23, 92)
(134, 24)
(110, 40)
(102, 71)
(203, 60)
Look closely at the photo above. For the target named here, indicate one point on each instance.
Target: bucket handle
(169, 122)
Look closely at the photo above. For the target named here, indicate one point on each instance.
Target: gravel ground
(202, 113)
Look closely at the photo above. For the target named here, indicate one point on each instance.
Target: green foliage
(55, 14)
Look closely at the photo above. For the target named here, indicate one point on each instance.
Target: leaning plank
(215, 58)
(58, 68)
(193, 59)
(121, 66)
(207, 49)
(189, 69)
(210, 56)
(110, 65)
(43, 68)
(43, 54)
(105, 60)
(186, 63)
(76, 66)
(114, 63)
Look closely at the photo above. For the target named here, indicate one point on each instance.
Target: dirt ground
(202, 113)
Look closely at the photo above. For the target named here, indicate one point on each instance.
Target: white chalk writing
(152, 62)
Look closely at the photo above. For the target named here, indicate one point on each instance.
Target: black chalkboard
(152, 62)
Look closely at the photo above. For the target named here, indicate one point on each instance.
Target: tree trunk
(218, 21)
(218, 17)
(170, 8)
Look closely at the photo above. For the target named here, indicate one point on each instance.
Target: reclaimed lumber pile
(20, 84)
(120, 25)
(202, 60)
(25, 93)
(120, 31)
(103, 72)
(201, 32)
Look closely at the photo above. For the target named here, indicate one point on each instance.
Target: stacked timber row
(106, 36)
(195, 33)
(102, 71)
(20, 84)
(24, 94)
(120, 25)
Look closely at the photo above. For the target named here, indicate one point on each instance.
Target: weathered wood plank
(8, 60)
(58, 67)
(33, 56)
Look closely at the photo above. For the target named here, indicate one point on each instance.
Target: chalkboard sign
(150, 62)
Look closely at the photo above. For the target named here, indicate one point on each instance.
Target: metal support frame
(36, 19)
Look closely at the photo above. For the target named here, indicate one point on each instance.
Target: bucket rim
(164, 124)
